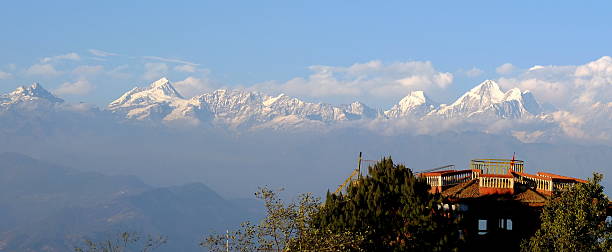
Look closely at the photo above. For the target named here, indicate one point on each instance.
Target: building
(496, 200)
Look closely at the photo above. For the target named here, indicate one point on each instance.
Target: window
(482, 227)
(505, 224)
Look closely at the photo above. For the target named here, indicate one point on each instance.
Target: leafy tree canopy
(286, 227)
(574, 220)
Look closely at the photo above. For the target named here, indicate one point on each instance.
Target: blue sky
(247, 43)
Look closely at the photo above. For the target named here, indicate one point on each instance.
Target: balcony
(497, 166)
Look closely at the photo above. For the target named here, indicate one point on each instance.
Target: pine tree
(393, 208)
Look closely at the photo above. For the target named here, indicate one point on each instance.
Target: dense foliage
(574, 220)
(394, 209)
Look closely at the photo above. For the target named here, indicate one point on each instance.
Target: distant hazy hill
(44, 207)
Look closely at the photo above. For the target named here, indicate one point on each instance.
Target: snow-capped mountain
(415, 104)
(32, 110)
(231, 108)
(153, 103)
(487, 100)
(27, 106)
(358, 110)
(28, 97)
(33, 92)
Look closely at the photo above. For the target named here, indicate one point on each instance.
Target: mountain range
(238, 110)
(246, 109)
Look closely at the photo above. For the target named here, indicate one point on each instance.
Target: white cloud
(68, 56)
(506, 68)
(170, 60)
(4, 75)
(474, 72)
(551, 91)
(186, 68)
(528, 137)
(101, 53)
(536, 67)
(582, 93)
(42, 70)
(118, 72)
(567, 87)
(364, 81)
(570, 124)
(88, 70)
(595, 79)
(190, 69)
(155, 71)
(192, 86)
(79, 87)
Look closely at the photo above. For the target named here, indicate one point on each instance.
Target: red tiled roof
(470, 190)
(555, 176)
(436, 173)
(445, 172)
(532, 176)
(531, 196)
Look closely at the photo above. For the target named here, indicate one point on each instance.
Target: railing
(434, 181)
(449, 178)
(497, 166)
(535, 181)
(496, 182)
(452, 178)
(559, 182)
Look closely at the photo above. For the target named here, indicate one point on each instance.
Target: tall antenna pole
(359, 165)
